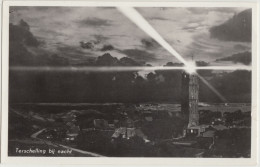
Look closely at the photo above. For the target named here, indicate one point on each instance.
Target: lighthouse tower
(193, 100)
(190, 99)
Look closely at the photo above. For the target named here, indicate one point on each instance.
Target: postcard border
(133, 161)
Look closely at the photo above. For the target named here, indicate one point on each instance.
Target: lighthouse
(189, 102)
(193, 100)
(190, 98)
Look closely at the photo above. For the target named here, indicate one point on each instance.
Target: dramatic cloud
(126, 61)
(139, 55)
(108, 60)
(21, 33)
(238, 28)
(20, 38)
(26, 50)
(107, 47)
(149, 43)
(244, 58)
(209, 49)
(185, 29)
(86, 45)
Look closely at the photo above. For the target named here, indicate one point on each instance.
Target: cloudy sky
(190, 31)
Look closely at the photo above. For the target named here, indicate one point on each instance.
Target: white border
(132, 161)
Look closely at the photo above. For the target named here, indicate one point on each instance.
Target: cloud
(203, 10)
(158, 18)
(74, 52)
(100, 38)
(25, 49)
(52, 32)
(86, 45)
(208, 49)
(238, 28)
(244, 57)
(176, 25)
(193, 26)
(107, 47)
(94, 22)
(95, 43)
(126, 61)
(139, 55)
(21, 34)
(108, 60)
(20, 40)
(69, 49)
(174, 64)
(149, 43)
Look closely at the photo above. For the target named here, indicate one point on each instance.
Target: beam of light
(224, 68)
(93, 69)
(212, 88)
(138, 19)
(190, 69)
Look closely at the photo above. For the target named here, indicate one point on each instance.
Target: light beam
(138, 19)
(124, 68)
(212, 88)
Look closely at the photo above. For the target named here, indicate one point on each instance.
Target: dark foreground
(143, 130)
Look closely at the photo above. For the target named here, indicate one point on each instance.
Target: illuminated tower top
(190, 95)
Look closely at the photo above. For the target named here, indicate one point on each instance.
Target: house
(127, 133)
(72, 133)
(195, 131)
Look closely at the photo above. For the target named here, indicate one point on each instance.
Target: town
(189, 129)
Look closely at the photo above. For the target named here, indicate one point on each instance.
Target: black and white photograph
(130, 81)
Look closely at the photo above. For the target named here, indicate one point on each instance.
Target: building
(193, 100)
(190, 98)
(189, 103)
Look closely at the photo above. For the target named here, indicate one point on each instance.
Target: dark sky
(87, 36)
(187, 30)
